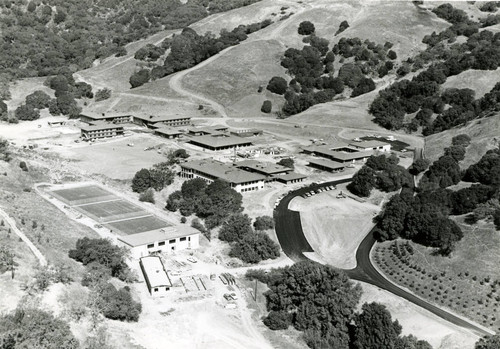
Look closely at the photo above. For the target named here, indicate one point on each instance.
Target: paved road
(294, 244)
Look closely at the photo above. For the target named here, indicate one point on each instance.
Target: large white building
(210, 170)
(167, 239)
(155, 275)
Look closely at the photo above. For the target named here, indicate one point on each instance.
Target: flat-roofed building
(92, 132)
(167, 239)
(155, 275)
(167, 120)
(267, 169)
(210, 170)
(371, 145)
(93, 118)
(247, 132)
(289, 178)
(219, 142)
(340, 153)
(168, 132)
(327, 165)
(206, 130)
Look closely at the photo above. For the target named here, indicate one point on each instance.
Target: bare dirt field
(419, 322)
(334, 227)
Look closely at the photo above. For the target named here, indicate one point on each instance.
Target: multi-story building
(154, 121)
(92, 132)
(210, 170)
(93, 118)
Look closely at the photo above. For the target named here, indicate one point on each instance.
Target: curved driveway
(293, 242)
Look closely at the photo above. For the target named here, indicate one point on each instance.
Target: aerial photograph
(249, 174)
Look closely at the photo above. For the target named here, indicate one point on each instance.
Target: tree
(4, 150)
(365, 85)
(67, 105)
(27, 112)
(461, 140)
(141, 180)
(139, 78)
(263, 223)
(392, 55)
(278, 320)
(147, 196)
(287, 162)
(488, 342)
(118, 304)
(343, 26)
(254, 247)
(101, 251)
(161, 175)
(411, 342)
(3, 110)
(306, 28)
(38, 100)
(34, 328)
(235, 228)
(266, 106)
(277, 85)
(102, 94)
(23, 166)
(418, 166)
(375, 328)
(322, 298)
(363, 182)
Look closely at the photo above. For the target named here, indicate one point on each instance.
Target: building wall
(240, 187)
(182, 243)
(101, 133)
(157, 291)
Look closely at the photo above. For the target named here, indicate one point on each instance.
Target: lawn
(467, 282)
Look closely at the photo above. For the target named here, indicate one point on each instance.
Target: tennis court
(112, 210)
(83, 195)
(138, 225)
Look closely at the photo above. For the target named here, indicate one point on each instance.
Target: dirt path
(12, 223)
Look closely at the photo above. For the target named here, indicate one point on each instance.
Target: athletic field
(83, 195)
(108, 211)
(119, 215)
(137, 225)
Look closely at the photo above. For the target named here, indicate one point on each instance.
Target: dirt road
(12, 223)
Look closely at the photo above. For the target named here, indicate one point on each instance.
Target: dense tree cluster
(422, 94)
(214, 202)
(35, 328)
(306, 28)
(157, 177)
(424, 218)
(320, 301)
(188, 49)
(312, 70)
(488, 342)
(44, 38)
(103, 252)
(380, 172)
(486, 170)
(489, 6)
(263, 223)
(117, 304)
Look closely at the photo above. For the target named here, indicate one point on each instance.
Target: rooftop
(161, 118)
(368, 144)
(264, 167)
(223, 171)
(333, 165)
(218, 141)
(341, 155)
(207, 129)
(290, 176)
(155, 272)
(98, 127)
(168, 130)
(100, 116)
(152, 236)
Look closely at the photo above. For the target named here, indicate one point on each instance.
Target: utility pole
(255, 292)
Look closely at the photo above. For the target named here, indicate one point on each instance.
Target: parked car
(234, 296)
(228, 297)
(192, 259)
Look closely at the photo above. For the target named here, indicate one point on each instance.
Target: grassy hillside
(481, 81)
(484, 134)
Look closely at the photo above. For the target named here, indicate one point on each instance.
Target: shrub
(102, 94)
(278, 320)
(266, 107)
(148, 196)
(38, 100)
(254, 247)
(118, 304)
(23, 166)
(139, 78)
(287, 162)
(27, 112)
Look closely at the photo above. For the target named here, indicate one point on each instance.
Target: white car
(192, 259)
